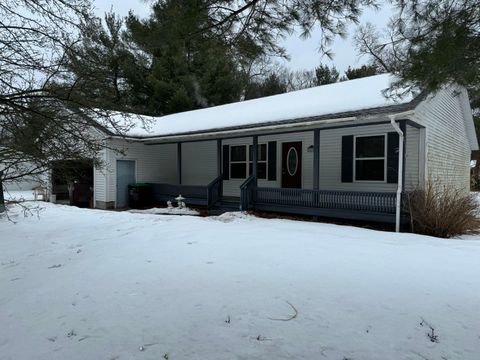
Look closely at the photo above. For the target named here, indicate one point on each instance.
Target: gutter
(401, 150)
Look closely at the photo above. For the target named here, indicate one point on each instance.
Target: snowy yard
(86, 284)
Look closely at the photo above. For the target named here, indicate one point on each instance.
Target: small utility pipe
(401, 136)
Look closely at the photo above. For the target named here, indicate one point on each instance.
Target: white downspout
(400, 167)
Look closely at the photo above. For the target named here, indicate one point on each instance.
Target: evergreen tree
(362, 71)
(273, 84)
(105, 70)
(189, 68)
(325, 75)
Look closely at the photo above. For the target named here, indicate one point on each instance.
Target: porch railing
(203, 195)
(214, 192)
(175, 190)
(340, 200)
(247, 194)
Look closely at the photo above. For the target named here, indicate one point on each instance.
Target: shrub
(443, 211)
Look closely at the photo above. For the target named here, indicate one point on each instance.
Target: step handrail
(214, 191)
(247, 190)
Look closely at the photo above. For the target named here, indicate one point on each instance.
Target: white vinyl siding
(100, 179)
(448, 149)
(154, 163)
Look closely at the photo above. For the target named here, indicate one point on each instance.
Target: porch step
(226, 205)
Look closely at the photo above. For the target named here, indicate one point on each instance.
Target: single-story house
(341, 150)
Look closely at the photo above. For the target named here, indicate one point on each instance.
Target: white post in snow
(400, 171)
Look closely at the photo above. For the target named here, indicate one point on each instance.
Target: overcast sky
(304, 53)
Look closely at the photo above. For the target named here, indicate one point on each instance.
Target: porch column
(179, 163)
(255, 157)
(219, 157)
(403, 127)
(316, 158)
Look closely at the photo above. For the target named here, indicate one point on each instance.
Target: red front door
(292, 165)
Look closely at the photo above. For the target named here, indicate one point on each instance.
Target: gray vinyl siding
(448, 149)
(412, 158)
(331, 159)
(158, 163)
(231, 187)
(199, 162)
(307, 157)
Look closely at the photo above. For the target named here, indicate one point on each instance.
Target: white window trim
(384, 158)
(248, 160)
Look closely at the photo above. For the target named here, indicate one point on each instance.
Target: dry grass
(443, 211)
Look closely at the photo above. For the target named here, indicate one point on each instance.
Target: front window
(239, 158)
(238, 162)
(370, 158)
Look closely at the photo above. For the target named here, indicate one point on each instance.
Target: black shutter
(347, 158)
(392, 157)
(226, 162)
(272, 161)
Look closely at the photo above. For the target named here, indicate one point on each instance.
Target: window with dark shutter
(272, 161)
(347, 158)
(226, 162)
(370, 158)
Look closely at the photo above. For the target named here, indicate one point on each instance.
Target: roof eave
(334, 117)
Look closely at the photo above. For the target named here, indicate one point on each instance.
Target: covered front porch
(285, 172)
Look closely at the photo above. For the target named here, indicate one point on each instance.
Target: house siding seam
(447, 146)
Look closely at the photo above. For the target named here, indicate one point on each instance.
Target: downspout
(401, 150)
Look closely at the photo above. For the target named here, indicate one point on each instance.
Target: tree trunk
(2, 200)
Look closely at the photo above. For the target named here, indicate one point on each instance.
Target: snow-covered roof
(342, 97)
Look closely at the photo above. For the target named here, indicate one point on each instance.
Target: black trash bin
(140, 195)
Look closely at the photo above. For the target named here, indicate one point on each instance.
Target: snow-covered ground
(167, 211)
(88, 284)
(19, 195)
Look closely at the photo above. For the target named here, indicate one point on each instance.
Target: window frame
(258, 160)
(384, 158)
(238, 162)
(248, 161)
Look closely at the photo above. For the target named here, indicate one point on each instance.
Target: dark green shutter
(272, 161)
(392, 157)
(347, 158)
(226, 162)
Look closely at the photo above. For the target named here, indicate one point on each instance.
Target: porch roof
(348, 98)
